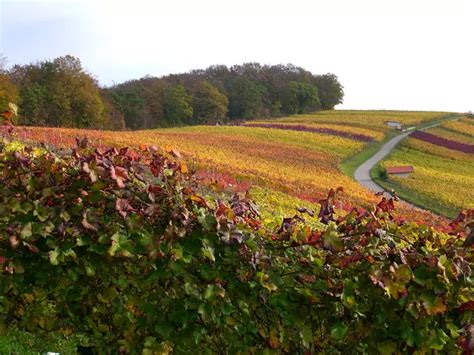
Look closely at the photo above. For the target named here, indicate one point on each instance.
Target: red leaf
(467, 306)
(86, 224)
(123, 207)
(119, 174)
(123, 151)
(13, 241)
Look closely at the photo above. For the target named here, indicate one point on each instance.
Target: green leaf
(66, 217)
(387, 348)
(25, 232)
(453, 330)
(331, 238)
(339, 331)
(348, 295)
(53, 257)
(120, 245)
(421, 275)
(208, 251)
(307, 336)
(205, 310)
(406, 332)
(438, 340)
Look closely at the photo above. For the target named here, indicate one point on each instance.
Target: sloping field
(369, 120)
(461, 131)
(443, 179)
(300, 163)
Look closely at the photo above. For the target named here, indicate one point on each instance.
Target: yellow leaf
(273, 340)
(29, 297)
(434, 306)
(13, 108)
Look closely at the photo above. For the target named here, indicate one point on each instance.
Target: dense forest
(60, 92)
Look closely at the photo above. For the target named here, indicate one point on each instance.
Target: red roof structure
(400, 169)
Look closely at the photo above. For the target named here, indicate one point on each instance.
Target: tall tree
(245, 98)
(114, 117)
(59, 93)
(331, 92)
(303, 97)
(178, 106)
(209, 104)
(8, 92)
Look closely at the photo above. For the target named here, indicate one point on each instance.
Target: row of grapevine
(303, 128)
(443, 142)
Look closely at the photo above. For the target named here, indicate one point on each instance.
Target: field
(126, 249)
(369, 120)
(299, 155)
(443, 161)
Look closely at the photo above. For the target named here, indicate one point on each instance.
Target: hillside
(302, 160)
(443, 161)
(116, 249)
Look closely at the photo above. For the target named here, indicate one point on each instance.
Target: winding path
(362, 173)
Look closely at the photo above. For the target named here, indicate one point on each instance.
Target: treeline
(61, 93)
(58, 93)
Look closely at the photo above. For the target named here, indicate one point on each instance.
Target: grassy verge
(350, 165)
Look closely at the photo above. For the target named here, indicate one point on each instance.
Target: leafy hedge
(116, 245)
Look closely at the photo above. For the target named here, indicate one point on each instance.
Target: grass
(350, 165)
(414, 197)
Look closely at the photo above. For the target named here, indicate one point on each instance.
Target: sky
(388, 54)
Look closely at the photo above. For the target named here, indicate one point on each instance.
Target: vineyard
(225, 239)
(370, 120)
(442, 158)
(302, 128)
(116, 247)
(300, 161)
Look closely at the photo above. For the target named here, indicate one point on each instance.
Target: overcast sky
(388, 54)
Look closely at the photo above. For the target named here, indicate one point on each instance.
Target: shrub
(116, 245)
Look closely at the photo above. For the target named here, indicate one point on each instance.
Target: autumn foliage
(116, 244)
